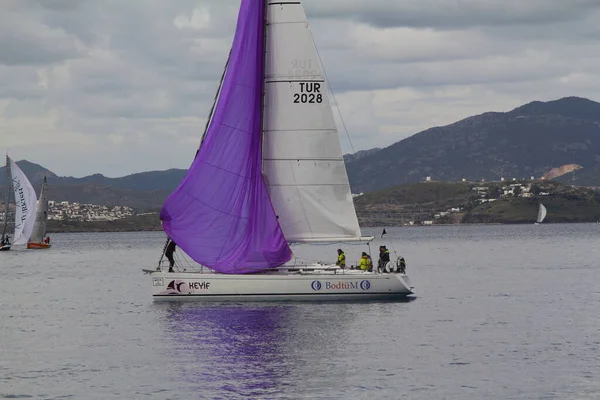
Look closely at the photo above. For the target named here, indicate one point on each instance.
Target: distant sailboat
(269, 172)
(541, 214)
(5, 241)
(25, 204)
(38, 239)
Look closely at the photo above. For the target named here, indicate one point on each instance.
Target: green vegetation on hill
(566, 204)
(483, 202)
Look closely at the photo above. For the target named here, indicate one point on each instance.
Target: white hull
(279, 286)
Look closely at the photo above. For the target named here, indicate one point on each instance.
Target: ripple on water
(78, 322)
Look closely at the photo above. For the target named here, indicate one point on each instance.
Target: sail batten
(221, 214)
(302, 160)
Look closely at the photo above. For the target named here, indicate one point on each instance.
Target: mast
(264, 86)
(6, 197)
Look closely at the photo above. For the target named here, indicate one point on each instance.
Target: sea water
(502, 312)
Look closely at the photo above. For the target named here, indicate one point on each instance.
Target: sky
(118, 87)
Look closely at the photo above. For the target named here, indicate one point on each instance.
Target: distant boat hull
(34, 245)
(4, 248)
(279, 286)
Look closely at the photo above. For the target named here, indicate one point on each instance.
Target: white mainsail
(541, 213)
(39, 227)
(25, 204)
(302, 159)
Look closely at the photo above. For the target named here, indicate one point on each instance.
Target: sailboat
(269, 173)
(25, 204)
(38, 239)
(541, 214)
(5, 241)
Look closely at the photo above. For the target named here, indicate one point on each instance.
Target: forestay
(302, 159)
(25, 204)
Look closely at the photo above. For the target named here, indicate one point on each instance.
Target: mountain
(561, 138)
(527, 141)
(142, 191)
(145, 181)
(34, 172)
(360, 154)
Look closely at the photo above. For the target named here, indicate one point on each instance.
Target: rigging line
(163, 251)
(331, 90)
(212, 108)
(179, 263)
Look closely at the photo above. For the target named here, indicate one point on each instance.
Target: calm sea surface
(502, 312)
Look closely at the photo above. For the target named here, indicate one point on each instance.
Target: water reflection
(255, 350)
(230, 348)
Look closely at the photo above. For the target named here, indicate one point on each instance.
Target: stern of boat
(36, 246)
(405, 281)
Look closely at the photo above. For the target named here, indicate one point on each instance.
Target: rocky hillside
(527, 141)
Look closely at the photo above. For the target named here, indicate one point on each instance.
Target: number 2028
(308, 98)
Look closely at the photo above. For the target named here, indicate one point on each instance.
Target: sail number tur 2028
(310, 92)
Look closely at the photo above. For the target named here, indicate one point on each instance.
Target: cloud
(119, 87)
(453, 14)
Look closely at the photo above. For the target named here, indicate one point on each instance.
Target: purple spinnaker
(221, 214)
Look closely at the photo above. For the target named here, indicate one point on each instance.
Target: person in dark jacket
(384, 258)
(169, 251)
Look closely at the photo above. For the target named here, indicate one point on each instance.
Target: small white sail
(25, 204)
(302, 159)
(541, 213)
(39, 227)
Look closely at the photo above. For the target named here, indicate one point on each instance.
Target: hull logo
(175, 285)
(315, 285)
(365, 285)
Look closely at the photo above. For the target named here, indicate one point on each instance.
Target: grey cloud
(27, 42)
(58, 5)
(123, 75)
(451, 14)
(20, 83)
(454, 72)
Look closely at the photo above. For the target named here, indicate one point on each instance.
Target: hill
(144, 181)
(142, 191)
(527, 141)
(560, 138)
(476, 202)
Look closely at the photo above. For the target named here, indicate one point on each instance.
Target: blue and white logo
(315, 285)
(365, 285)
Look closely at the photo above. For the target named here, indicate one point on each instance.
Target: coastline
(105, 227)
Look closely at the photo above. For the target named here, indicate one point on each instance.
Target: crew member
(169, 251)
(384, 258)
(341, 261)
(365, 262)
